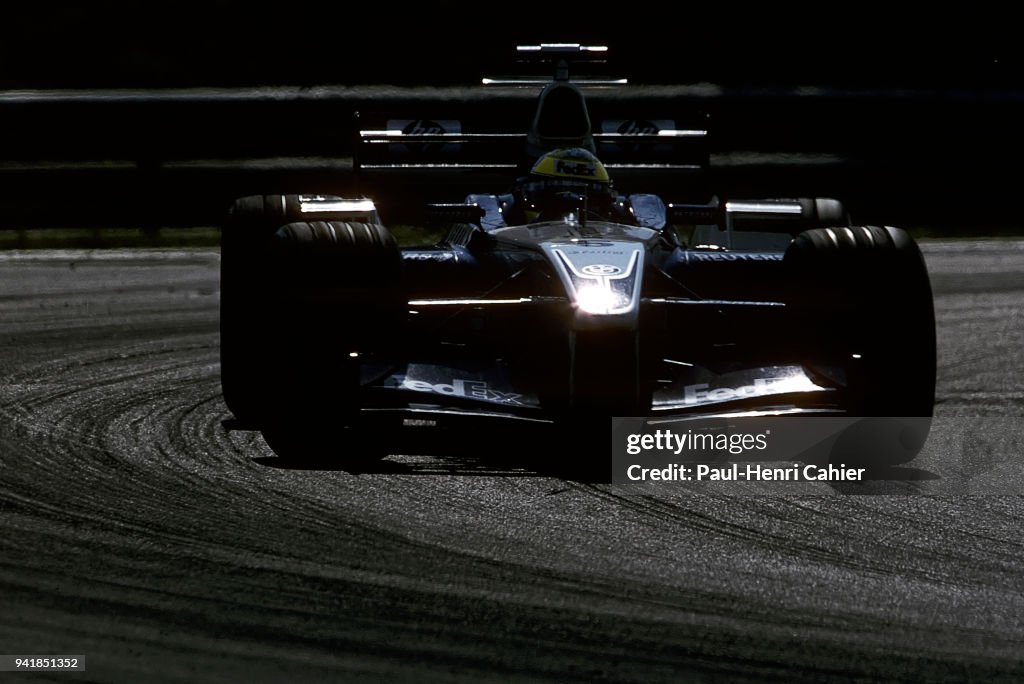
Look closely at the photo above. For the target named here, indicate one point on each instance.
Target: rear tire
(823, 212)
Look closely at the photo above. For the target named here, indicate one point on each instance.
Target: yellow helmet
(567, 180)
(573, 164)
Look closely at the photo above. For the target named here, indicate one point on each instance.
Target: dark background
(219, 43)
(912, 119)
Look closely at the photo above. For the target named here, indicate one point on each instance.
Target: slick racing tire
(335, 300)
(863, 293)
(249, 228)
(815, 213)
(868, 292)
(823, 212)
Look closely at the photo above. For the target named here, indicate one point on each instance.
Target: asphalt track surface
(141, 533)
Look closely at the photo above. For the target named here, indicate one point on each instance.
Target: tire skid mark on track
(793, 527)
(135, 523)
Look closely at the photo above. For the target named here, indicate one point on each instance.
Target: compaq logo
(600, 269)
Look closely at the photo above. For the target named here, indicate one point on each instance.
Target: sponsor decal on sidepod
(470, 389)
(700, 394)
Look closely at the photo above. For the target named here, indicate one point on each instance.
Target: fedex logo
(700, 394)
(470, 389)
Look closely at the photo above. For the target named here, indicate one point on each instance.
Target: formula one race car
(557, 300)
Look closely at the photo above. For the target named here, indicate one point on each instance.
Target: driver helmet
(565, 180)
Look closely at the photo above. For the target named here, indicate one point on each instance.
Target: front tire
(863, 295)
(337, 300)
(302, 304)
(248, 229)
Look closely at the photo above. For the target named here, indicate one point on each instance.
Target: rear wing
(419, 144)
(441, 156)
(452, 150)
(559, 54)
